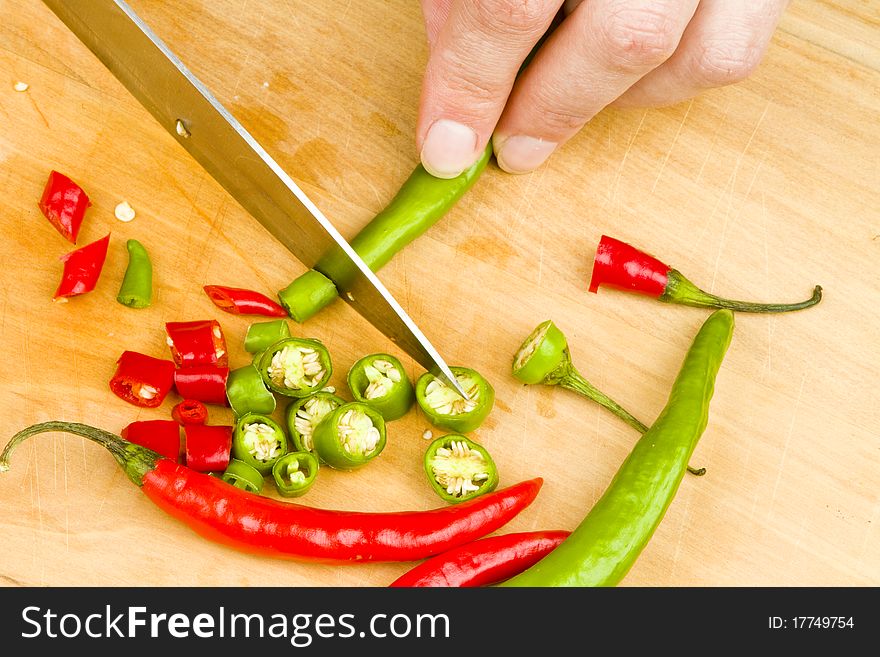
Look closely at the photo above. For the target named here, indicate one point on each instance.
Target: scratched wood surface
(761, 190)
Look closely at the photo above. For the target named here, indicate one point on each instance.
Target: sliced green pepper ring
(459, 469)
(259, 441)
(303, 415)
(380, 381)
(262, 335)
(350, 436)
(541, 354)
(294, 473)
(445, 408)
(247, 393)
(296, 367)
(241, 475)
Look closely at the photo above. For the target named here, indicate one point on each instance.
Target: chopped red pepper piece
(82, 268)
(142, 380)
(64, 203)
(197, 343)
(190, 411)
(207, 447)
(240, 301)
(206, 383)
(161, 436)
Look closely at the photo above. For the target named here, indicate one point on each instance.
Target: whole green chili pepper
(420, 203)
(445, 408)
(259, 441)
(459, 469)
(244, 476)
(602, 549)
(136, 290)
(380, 381)
(294, 473)
(296, 367)
(304, 414)
(247, 392)
(262, 335)
(350, 436)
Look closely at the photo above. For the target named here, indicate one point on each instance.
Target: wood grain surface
(755, 191)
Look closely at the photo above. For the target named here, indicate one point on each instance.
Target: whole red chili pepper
(207, 447)
(197, 343)
(161, 436)
(142, 380)
(622, 266)
(240, 301)
(189, 411)
(82, 268)
(64, 203)
(229, 515)
(206, 383)
(483, 562)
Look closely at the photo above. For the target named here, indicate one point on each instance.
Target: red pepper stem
(137, 461)
(680, 290)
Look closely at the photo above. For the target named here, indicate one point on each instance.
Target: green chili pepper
(294, 473)
(380, 381)
(445, 408)
(247, 393)
(303, 415)
(259, 441)
(137, 284)
(350, 436)
(241, 475)
(420, 203)
(262, 335)
(609, 540)
(459, 469)
(296, 367)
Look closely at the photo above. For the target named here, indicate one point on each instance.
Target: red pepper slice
(197, 343)
(64, 203)
(207, 447)
(161, 436)
(206, 383)
(483, 562)
(189, 411)
(142, 380)
(82, 268)
(240, 301)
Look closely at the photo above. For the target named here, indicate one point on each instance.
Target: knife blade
(182, 104)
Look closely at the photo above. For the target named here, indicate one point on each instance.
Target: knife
(154, 75)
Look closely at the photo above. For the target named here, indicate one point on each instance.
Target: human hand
(625, 53)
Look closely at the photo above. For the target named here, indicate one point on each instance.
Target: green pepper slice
(380, 381)
(445, 408)
(259, 441)
(350, 436)
(244, 476)
(303, 415)
(247, 393)
(294, 473)
(262, 335)
(136, 290)
(459, 469)
(296, 367)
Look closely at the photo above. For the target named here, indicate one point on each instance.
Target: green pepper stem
(680, 290)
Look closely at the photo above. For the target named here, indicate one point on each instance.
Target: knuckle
(512, 16)
(637, 39)
(555, 116)
(725, 60)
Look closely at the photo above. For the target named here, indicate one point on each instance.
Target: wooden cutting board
(755, 191)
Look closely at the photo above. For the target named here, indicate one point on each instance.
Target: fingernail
(450, 148)
(521, 153)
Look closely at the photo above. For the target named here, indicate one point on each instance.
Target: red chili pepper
(619, 265)
(207, 447)
(240, 301)
(206, 383)
(64, 203)
(189, 411)
(483, 562)
(82, 268)
(161, 436)
(197, 343)
(229, 515)
(142, 380)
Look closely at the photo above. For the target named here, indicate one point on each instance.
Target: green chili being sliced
(303, 415)
(603, 548)
(459, 469)
(445, 408)
(380, 381)
(244, 476)
(350, 436)
(296, 367)
(247, 392)
(294, 473)
(420, 203)
(136, 290)
(262, 335)
(259, 441)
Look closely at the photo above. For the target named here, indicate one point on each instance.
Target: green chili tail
(134, 459)
(680, 290)
(136, 290)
